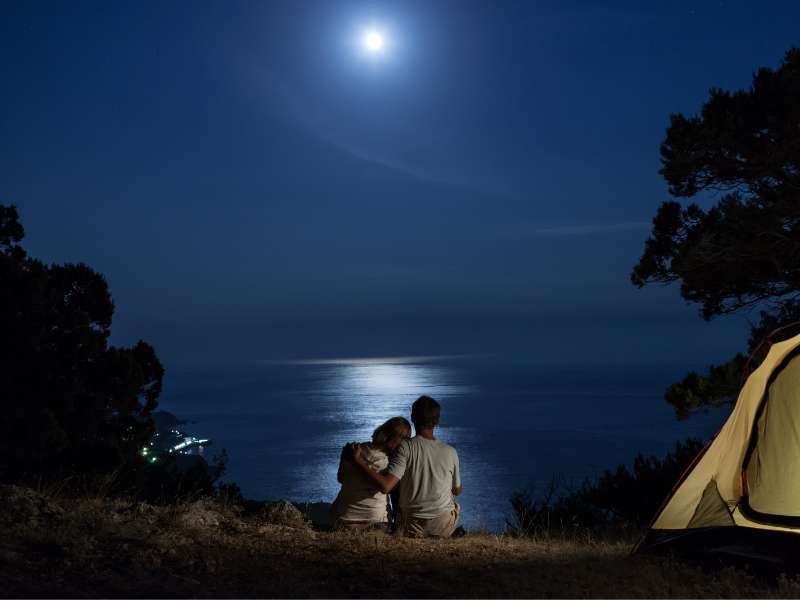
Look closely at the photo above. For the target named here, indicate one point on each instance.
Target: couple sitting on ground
(421, 473)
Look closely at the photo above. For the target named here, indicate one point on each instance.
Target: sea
(516, 423)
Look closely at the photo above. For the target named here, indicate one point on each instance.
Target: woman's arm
(385, 483)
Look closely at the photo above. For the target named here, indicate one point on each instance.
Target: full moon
(373, 41)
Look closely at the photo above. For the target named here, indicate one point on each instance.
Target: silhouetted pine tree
(71, 402)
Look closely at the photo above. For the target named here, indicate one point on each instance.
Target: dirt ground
(105, 548)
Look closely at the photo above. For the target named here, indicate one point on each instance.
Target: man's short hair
(425, 413)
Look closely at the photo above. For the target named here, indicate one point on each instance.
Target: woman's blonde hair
(393, 428)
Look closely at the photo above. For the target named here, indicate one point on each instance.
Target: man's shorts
(443, 526)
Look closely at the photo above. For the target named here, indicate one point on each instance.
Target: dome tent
(740, 499)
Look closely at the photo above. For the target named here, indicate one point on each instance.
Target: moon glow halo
(374, 41)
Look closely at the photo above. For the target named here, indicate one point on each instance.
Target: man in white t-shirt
(428, 472)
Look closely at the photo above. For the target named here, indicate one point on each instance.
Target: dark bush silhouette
(622, 499)
(744, 252)
(177, 477)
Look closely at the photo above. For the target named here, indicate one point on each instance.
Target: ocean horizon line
(373, 360)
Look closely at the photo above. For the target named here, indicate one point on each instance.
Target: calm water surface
(514, 423)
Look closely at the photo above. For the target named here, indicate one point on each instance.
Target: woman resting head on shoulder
(359, 505)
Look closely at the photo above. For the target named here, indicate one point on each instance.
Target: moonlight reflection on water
(514, 423)
(365, 395)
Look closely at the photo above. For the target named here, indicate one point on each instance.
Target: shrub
(618, 500)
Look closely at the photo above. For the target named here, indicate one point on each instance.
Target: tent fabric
(712, 511)
(751, 470)
(773, 468)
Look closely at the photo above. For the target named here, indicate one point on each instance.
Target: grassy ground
(95, 547)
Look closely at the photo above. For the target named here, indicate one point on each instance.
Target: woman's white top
(359, 500)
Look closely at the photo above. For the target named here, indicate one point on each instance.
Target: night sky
(253, 185)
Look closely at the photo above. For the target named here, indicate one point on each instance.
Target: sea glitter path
(515, 423)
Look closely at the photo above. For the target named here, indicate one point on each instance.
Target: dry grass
(100, 547)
